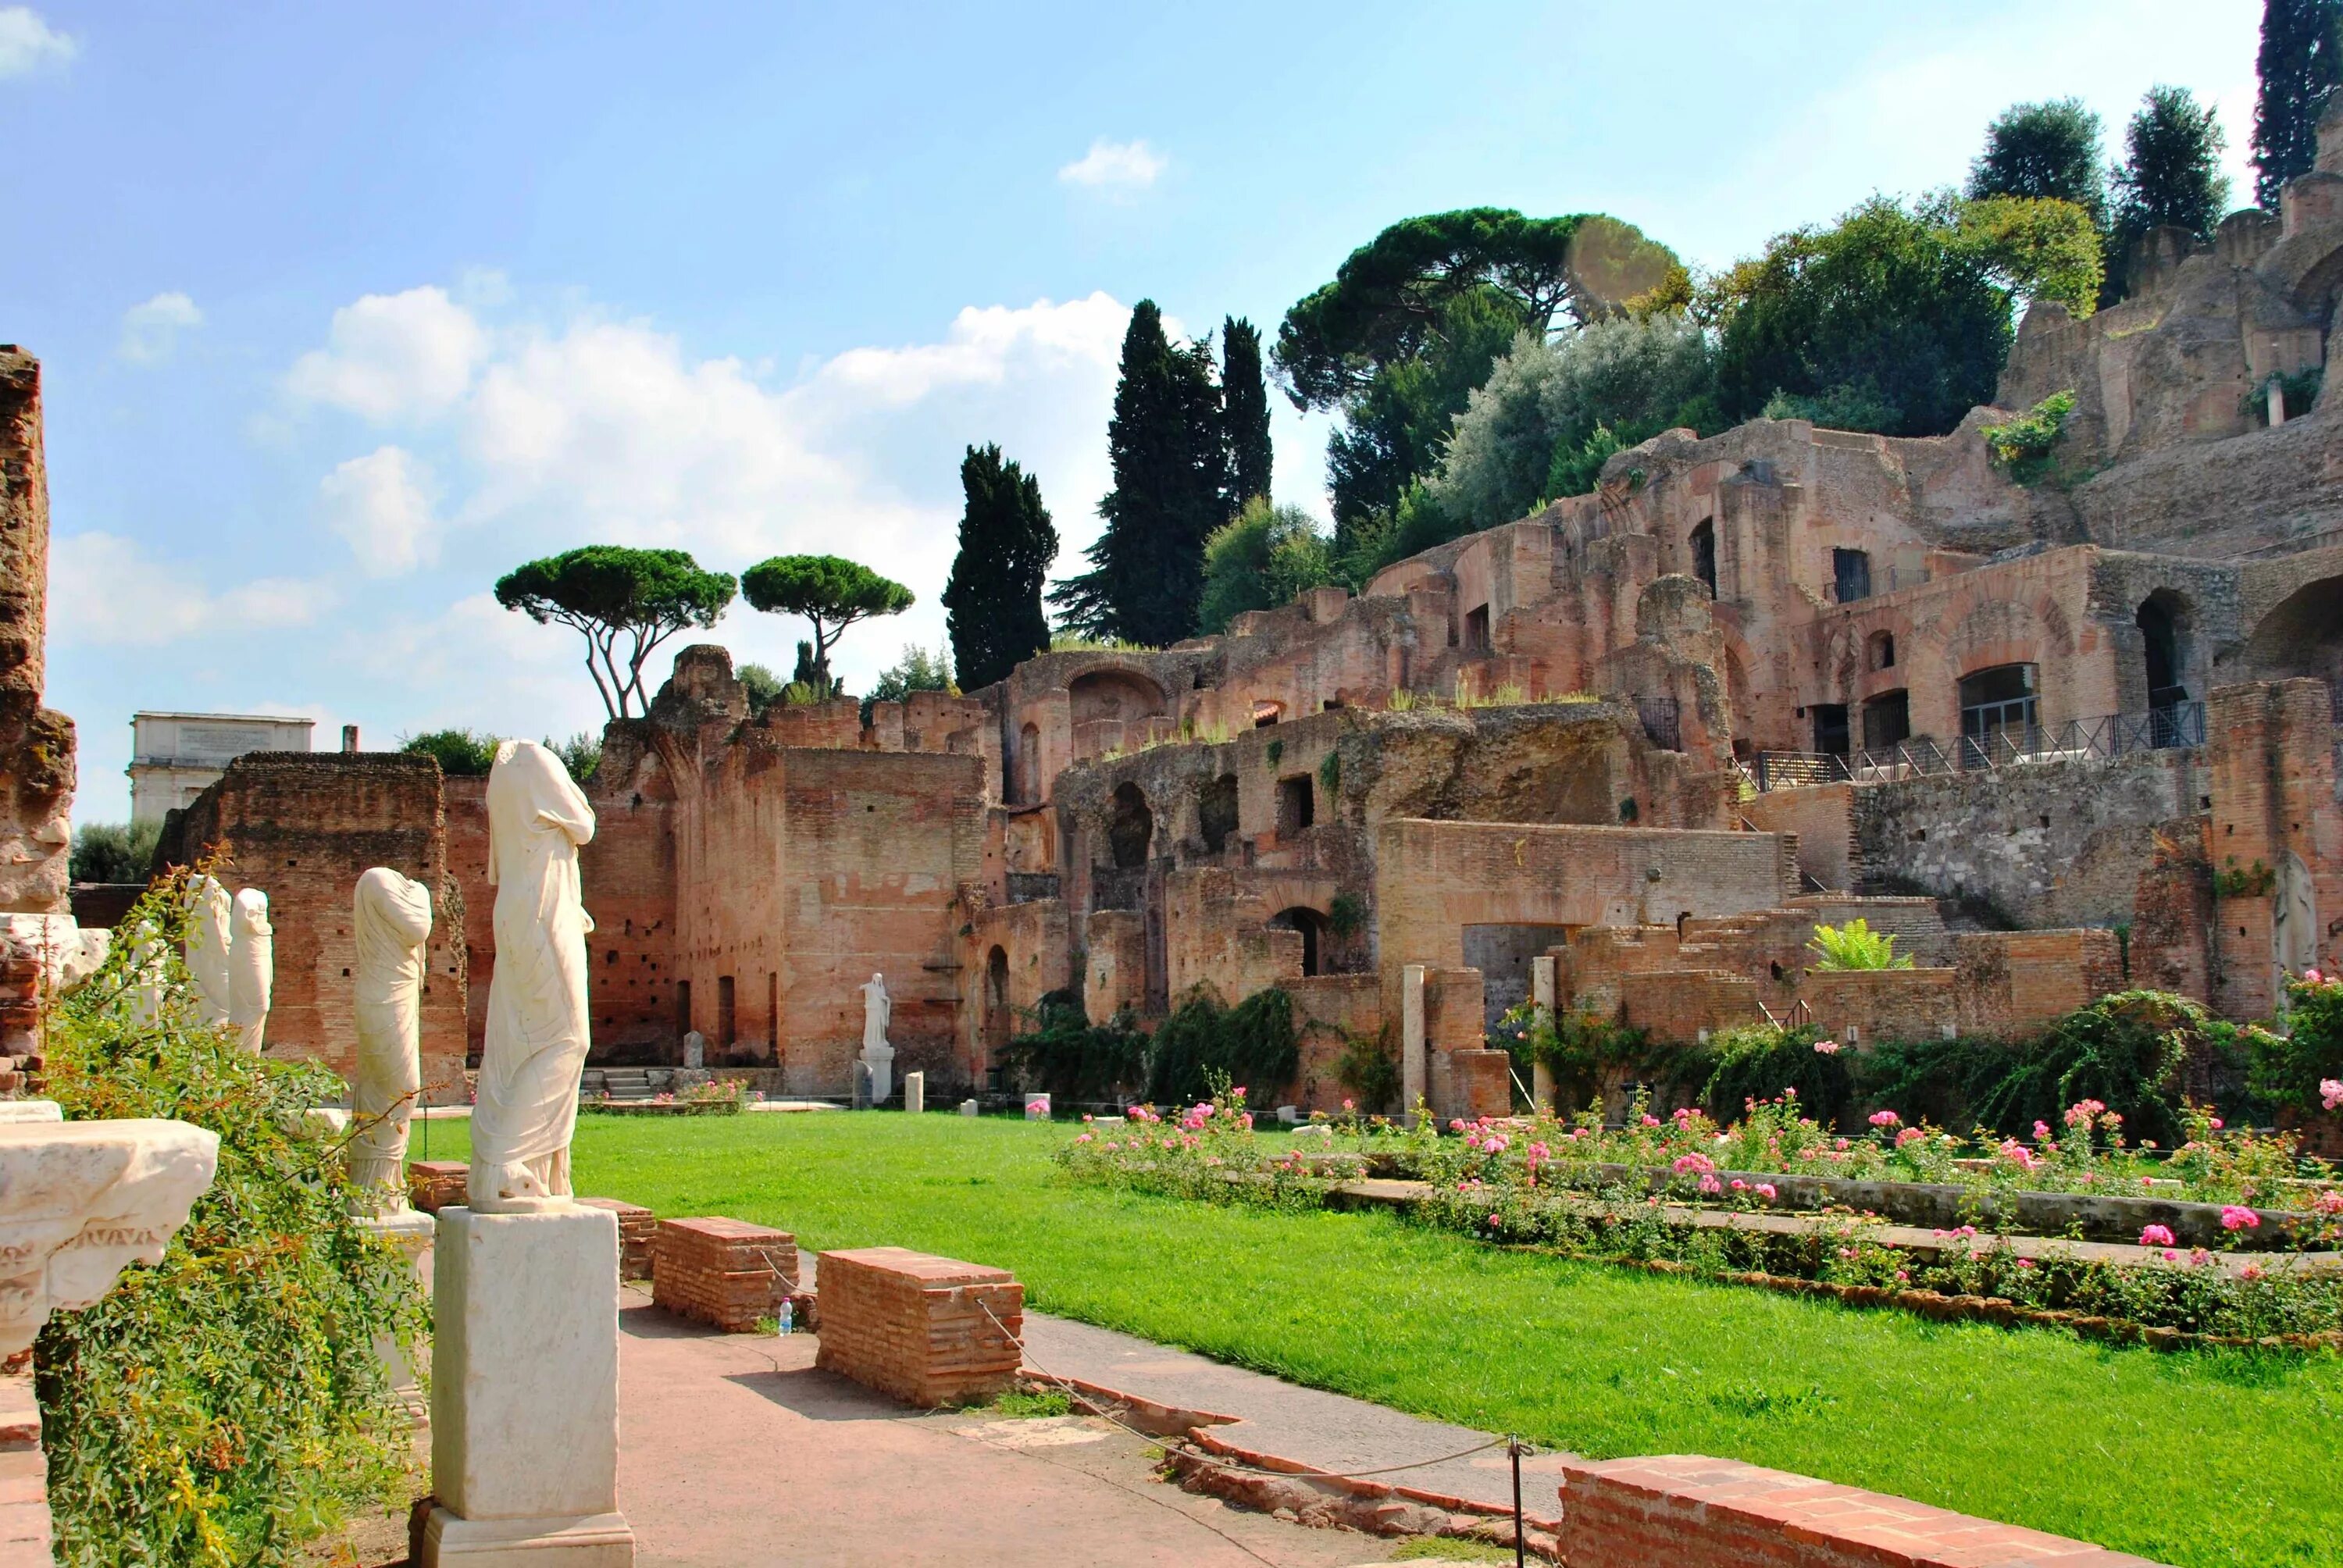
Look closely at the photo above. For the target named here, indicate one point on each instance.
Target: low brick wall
(727, 1273)
(434, 1184)
(1677, 1509)
(920, 1328)
(638, 1229)
(24, 1476)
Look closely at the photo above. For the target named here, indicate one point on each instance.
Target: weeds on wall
(230, 1405)
(2023, 449)
(1855, 946)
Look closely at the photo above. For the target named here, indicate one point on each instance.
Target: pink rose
(2156, 1236)
(1884, 1118)
(2236, 1217)
(1825, 1047)
(1766, 1190)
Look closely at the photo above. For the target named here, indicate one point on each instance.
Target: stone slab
(599, 1541)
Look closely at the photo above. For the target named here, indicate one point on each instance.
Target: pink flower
(1493, 1220)
(1739, 1185)
(2328, 1203)
(2025, 1263)
(1350, 1105)
(1846, 1252)
(1651, 1120)
(1825, 1047)
(2234, 1217)
(1711, 1184)
(2251, 1272)
(2330, 1093)
(1884, 1118)
(2156, 1236)
(1689, 1162)
(1082, 1137)
(2081, 1112)
(2215, 1124)
(1765, 1190)
(1908, 1136)
(2041, 1131)
(2313, 976)
(2171, 1257)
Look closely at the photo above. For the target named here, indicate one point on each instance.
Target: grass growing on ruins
(2191, 1459)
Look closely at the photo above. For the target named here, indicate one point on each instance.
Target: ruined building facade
(2060, 737)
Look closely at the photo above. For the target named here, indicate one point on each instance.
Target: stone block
(727, 1273)
(928, 1331)
(525, 1392)
(434, 1184)
(637, 1230)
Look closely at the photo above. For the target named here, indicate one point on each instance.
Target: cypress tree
(1147, 568)
(993, 605)
(2170, 176)
(2042, 151)
(2300, 63)
(1244, 414)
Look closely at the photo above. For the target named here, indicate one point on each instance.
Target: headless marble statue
(252, 968)
(390, 921)
(535, 1049)
(878, 1009)
(208, 947)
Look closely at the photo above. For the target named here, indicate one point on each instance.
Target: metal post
(1514, 1449)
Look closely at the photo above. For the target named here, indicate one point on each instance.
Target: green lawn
(2200, 1458)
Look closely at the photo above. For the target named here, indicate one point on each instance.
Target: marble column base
(525, 1392)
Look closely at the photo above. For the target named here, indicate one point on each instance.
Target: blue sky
(346, 310)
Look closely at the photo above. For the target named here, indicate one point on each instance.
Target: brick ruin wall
(302, 827)
(36, 744)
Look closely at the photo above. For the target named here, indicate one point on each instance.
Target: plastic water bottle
(788, 1311)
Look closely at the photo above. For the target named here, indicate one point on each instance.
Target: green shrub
(231, 1404)
(462, 753)
(113, 851)
(1252, 1045)
(1855, 946)
(1346, 915)
(2299, 388)
(1762, 1061)
(1369, 1070)
(2287, 1070)
(2023, 447)
(1074, 1060)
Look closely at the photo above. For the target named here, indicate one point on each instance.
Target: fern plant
(1855, 946)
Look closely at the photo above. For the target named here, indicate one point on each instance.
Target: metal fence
(1996, 746)
(1662, 721)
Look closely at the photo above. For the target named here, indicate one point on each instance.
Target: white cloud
(1116, 165)
(983, 347)
(150, 330)
(105, 590)
(382, 504)
(27, 44)
(394, 357)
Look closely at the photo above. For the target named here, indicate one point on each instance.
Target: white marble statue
(146, 973)
(252, 968)
(878, 1056)
(209, 921)
(527, 1104)
(390, 920)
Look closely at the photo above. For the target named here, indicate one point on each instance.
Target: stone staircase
(625, 1082)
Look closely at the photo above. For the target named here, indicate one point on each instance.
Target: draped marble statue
(252, 967)
(527, 1104)
(390, 920)
(878, 1055)
(208, 917)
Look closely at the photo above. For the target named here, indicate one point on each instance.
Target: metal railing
(2179, 725)
(1663, 722)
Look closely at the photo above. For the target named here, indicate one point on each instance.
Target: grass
(2204, 1458)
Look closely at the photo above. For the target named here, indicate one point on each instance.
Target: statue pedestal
(525, 1392)
(880, 1060)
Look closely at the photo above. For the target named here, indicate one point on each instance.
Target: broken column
(1410, 1037)
(1542, 990)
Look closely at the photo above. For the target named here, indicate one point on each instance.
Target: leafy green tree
(462, 753)
(1164, 445)
(1880, 313)
(917, 670)
(2300, 63)
(2043, 152)
(2038, 247)
(830, 591)
(113, 851)
(1529, 432)
(1244, 414)
(1414, 319)
(764, 688)
(1261, 560)
(2170, 176)
(992, 604)
(625, 602)
(581, 754)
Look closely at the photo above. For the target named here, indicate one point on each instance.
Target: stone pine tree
(1244, 414)
(993, 605)
(1147, 568)
(2301, 61)
(2170, 176)
(831, 592)
(624, 602)
(2043, 152)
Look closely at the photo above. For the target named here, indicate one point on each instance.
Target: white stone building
(174, 757)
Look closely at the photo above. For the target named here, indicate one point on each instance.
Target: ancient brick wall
(2277, 839)
(1677, 1004)
(1328, 1012)
(1114, 944)
(36, 745)
(2013, 982)
(1823, 817)
(1010, 958)
(1435, 878)
(302, 827)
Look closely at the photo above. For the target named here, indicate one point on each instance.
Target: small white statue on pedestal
(877, 1054)
(390, 920)
(252, 967)
(208, 947)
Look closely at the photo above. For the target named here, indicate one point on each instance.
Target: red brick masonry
(638, 1227)
(725, 1273)
(432, 1184)
(918, 1327)
(1678, 1509)
(24, 1476)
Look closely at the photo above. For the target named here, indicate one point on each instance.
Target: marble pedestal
(525, 1392)
(880, 1060)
